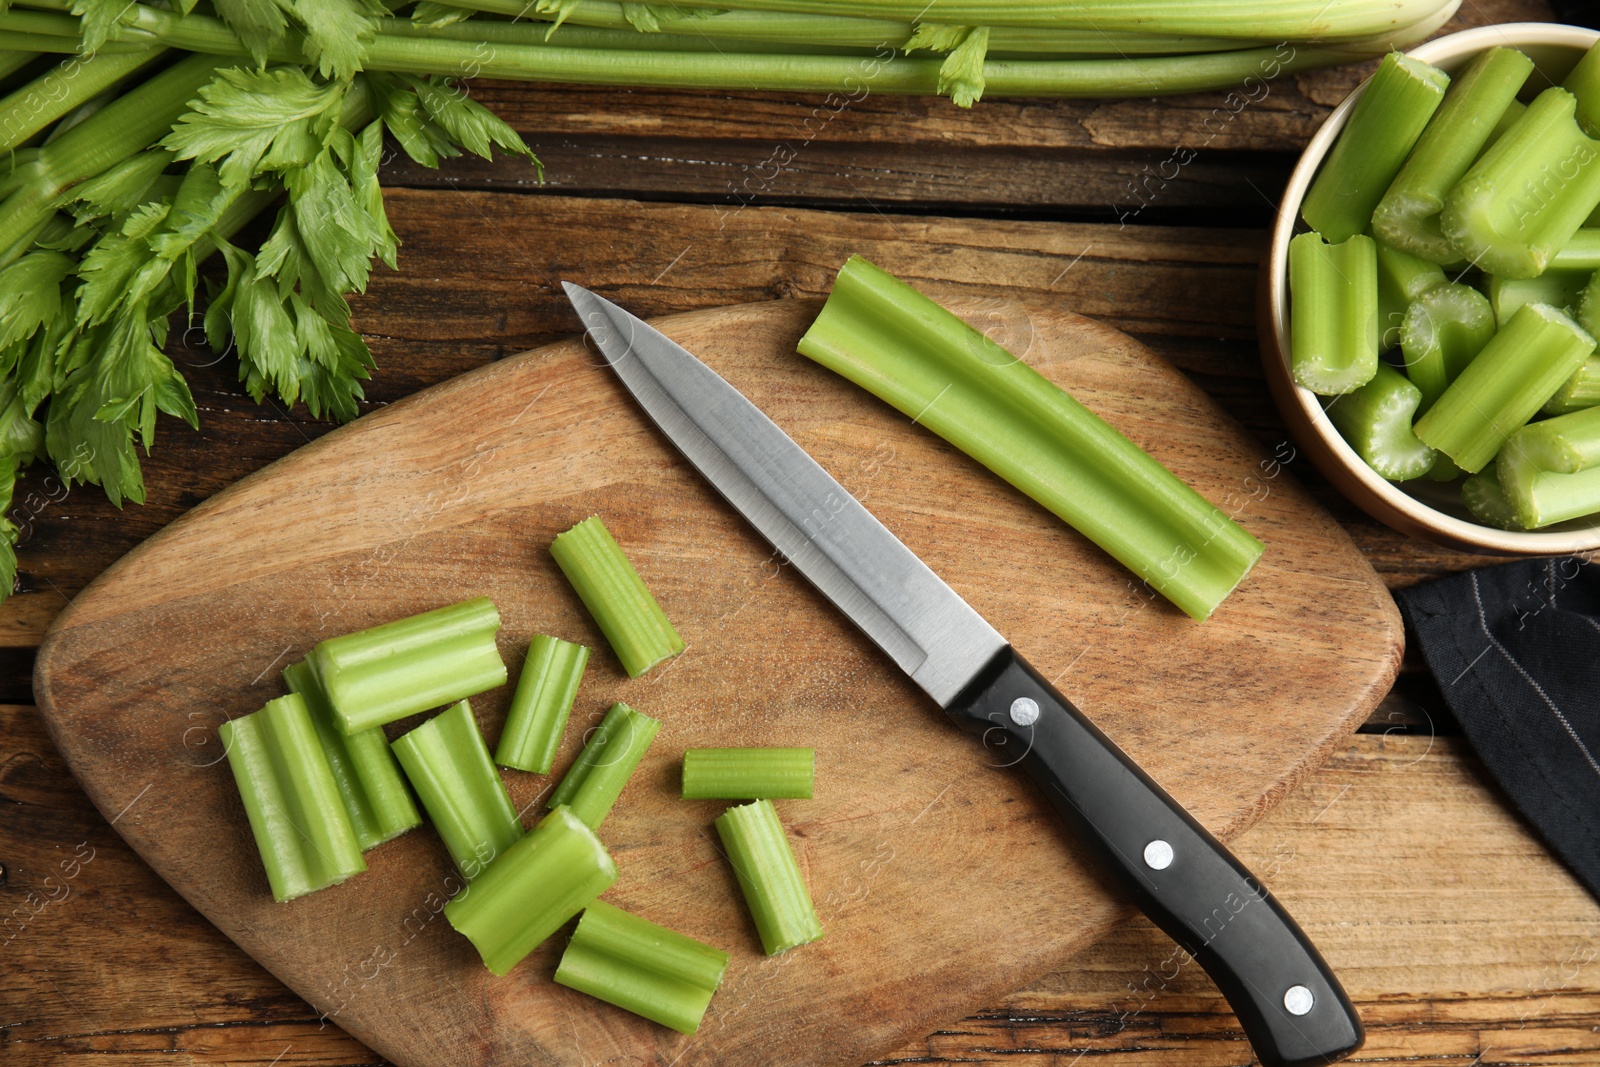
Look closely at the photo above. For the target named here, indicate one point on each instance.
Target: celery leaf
(260, 24)
(247, 121)
(30, 294)
(468, 122)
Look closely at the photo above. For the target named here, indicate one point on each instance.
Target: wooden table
(1460, 939)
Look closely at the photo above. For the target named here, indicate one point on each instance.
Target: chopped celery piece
(300, 826)
(747, 773)
(1402, 278)
(1376, 420)
(638, 630)
(449, 767)
(1333, 313)
(369, 780)
(1408, 215)
(1488, 504)
(1385, 123)
(1581, 391)
(387, 672)
(1584, 84)
(526, 894)
(595, 779)
(1586, 304)
(768, 876)
(1558, 288)
(1520, 369)
(1508, 119)
(1444, 329)
(894, 342)
(541, 704)
(1550, 470)
(647, 969)
(1581, 252)
(1527, 195)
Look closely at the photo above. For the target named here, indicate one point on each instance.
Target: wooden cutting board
(941, 878)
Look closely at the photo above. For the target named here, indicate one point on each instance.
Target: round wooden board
(941, 879)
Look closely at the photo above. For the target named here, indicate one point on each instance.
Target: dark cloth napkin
(1516, 650)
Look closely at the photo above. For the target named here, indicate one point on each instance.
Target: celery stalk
(1550, 470)
(1558, 288)
(300, 826)
(541, 704)
(1581, 391)
(595, 780)
(1527, 195)
(638, 630)
(1408, 215)
(1487, 502)
(1508, 119)
(369, 780)
(1580, 253)
(1516, 373)
(449, 767)
(647, 969)
(1444, 329)
(1333, 324)
(768, 876)
(1584, 85)
(1385, 123)
(67, 85)
(897, 344)
(747, 773)
(387, 672)
(526, 894)
(1376, 420)
(1402, 278)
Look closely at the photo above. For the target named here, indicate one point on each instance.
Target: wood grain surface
(942, 879)
(1462, 942)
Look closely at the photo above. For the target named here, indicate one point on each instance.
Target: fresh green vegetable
(1402, 278)
(1584, 85)
(1333, 313)
(58, 93)
(768, 876)
(1516, 373)
(644, 968)
(1581, 391)
(1376, 420)
(1408, 215)
(626, 612)
(897, 344)
(1580, 253)
(1486, 501)
(449, 767)
(1444, 329)
(369, 780)
(1558, 288)
(387, 672)
(541, 704)
(1550, 470)
(1527, 194)
(299, 822)
(1385, 123)
(747, 773)
(595, 780)
(526, 894)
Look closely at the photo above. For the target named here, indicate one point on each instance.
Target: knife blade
(1288, 1001)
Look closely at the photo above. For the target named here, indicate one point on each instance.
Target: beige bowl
(1425, 509)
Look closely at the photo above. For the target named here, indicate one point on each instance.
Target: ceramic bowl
(1425, 509)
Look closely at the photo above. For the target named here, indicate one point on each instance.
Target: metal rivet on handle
(1024, 711)
(1158, 855)
(1297, 1000)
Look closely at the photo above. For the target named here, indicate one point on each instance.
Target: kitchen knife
(1291, 1006)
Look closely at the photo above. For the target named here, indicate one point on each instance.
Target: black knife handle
(1291, 1006)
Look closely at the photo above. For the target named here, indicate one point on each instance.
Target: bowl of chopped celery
(1432, 294)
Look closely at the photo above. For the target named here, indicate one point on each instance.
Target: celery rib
(595, 780)
(768, 876)
(1376, 420)
(638, 631)
(296, 816)
(67, 85)
(1333, 313)
(1385, 123)
(882, 334)
(1487, 502)
(654, 972)
(370, 783)
(448, 765)
(541, 704)
(1520, 369)
(387, 672)
(1558, 288)
(1580, 391)
(526, 894)
(748, 773)
(1550, 471)
(1445, 328)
